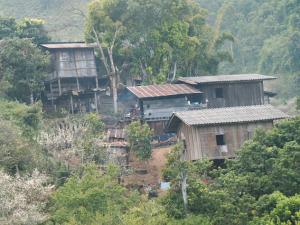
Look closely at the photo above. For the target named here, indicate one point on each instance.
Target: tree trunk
(145, 75)
(114, 93)
(113, 79)
(184, 190)
(175, 71)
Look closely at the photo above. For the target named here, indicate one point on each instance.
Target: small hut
(219, 133)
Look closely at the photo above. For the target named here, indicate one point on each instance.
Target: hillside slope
(61, 21)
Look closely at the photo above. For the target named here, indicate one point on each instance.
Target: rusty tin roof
(224, 78)
(153, 91)
(228, 115)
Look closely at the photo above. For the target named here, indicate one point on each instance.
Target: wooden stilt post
(97, 84)
(78, 85)
(71, 101)
(59, 87)
(96, 101)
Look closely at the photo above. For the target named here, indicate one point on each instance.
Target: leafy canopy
(139, 136)
(24, 67)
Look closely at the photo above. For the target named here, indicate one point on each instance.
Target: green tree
(147, 213)
(33, 29)
(173, 40)
(18, 155)
(94, 197)
(8, 27)
(105, 27)
(30, 28)
(25, 67)
(277, 209)
(139, 136)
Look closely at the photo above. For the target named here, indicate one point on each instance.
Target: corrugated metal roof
(152, 91)
(228, 115)
(67, 45)
(224, 78)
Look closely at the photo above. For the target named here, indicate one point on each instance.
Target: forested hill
(267, 35)
(61, 20)
(266, 32)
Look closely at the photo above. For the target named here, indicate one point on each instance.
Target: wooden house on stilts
(73, 81)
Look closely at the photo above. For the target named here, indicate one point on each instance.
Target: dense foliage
(266, 37)
(25, 28)
(174, 40)
(24, 67)
(92, 197)
(139, 136)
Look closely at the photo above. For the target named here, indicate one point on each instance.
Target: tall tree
(25, 67)
(156, 39)
(172, 37)
(105, 27)
(139, 136)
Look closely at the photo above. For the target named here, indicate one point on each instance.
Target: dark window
(219, 93)
(148, 106)
(220, 139)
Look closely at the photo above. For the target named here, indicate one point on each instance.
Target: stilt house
(73, 81)
(219, 133)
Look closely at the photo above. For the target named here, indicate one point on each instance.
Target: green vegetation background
(266, 32)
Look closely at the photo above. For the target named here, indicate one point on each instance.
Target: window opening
(220, 139)
(219, 93)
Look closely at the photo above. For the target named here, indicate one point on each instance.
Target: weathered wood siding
(158, 127)
(201, 141)
(234, 94)
(163, 108)
(73, 63)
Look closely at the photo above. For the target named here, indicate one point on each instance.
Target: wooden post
(71, 101)
(96, 101)
(97, 84)
(262, 93)
(59, 86)
(78, 85)
(51, 90)
(76, 69)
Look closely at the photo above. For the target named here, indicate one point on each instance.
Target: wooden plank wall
(73, 63)
(235, 94)
(201, 141)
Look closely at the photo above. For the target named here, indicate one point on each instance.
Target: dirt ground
(154, 170)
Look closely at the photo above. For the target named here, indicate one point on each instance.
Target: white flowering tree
(23, 199)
